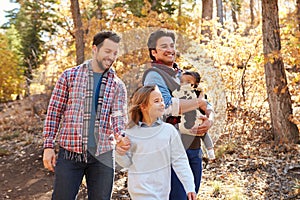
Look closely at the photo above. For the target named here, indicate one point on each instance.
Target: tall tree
(235, 8)
(252, 13)
(79, 34)
(33, 21)
(207, 12)
(98, 11)
(135, 6)
(298, 14)
(10, 74)
(279, 98)
(179, 8)
(219, 4)
(153, 4)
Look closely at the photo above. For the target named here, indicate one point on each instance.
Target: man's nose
(170, 48)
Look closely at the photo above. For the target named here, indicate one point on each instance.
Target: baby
(189, 89)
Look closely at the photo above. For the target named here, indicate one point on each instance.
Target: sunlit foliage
(10, 73)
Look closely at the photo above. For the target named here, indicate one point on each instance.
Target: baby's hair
(139, 97)
(196, 75)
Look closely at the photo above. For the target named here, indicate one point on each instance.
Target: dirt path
(249, 166)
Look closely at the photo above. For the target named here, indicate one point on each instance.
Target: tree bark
(179, 12)
(99, 9)
(207, 11)
(234, 18)
(153, 5)
(298, 14)
(219, 4)
(79, 33)
(279, 98)
(251, 13)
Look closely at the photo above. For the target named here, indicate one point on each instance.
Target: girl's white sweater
(153, 150)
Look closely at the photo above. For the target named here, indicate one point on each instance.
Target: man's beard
(100, 65)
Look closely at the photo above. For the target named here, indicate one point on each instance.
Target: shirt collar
(156, 123)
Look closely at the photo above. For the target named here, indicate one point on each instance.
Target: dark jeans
(99, 175)
(195, 161)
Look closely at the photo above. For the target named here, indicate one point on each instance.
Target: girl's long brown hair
(139, 97)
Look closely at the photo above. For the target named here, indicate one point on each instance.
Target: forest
(248, 55)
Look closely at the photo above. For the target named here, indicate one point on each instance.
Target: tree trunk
(219, 4)
(179, 12)
(207, 11)
(99, 9)
(251, 13)
(153, 5)
(79, 34)
(298, 15)
(234, 18)
(279, 98)
(179, 8)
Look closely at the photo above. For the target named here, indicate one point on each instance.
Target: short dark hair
(194, 74)
(101, 36)
(156, 35)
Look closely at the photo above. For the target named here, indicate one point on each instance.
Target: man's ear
(153, 52)
(94, 49)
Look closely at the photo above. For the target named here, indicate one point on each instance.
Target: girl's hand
(123, 145)
(191, 196)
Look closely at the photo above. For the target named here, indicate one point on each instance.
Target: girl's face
(156, 106)
(188, 79)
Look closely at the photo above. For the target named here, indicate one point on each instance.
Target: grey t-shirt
(91, 138)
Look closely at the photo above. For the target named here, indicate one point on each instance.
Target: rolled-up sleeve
(154, 78)
(119, 110)
(210, 107)
(173, 109)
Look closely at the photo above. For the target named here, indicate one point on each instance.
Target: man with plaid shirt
(87, 111)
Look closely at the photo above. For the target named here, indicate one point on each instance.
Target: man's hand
(123, 144)
(206, 124)
(191, 196)
(49, 159)
(201, 129)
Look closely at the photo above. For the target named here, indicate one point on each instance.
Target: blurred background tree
(11, 74)
(35, 23)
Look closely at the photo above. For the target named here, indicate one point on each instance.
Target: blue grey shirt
(156, 123)
(154, 78)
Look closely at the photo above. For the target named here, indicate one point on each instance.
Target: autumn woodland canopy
(248, 52)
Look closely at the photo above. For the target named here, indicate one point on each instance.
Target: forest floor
(248, 166)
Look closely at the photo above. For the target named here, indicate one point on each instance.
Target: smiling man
(165, 73)
(87, 110)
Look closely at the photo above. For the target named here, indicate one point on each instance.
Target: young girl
(155, 146)
(190, 81)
